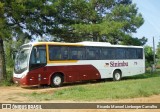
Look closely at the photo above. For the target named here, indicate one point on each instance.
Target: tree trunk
(2, 61)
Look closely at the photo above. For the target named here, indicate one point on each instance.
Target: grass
(136, 86)
(8, 81)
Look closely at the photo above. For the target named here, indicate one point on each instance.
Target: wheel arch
(117, 70)
(55, 73)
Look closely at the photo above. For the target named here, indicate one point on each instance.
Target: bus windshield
(21, 61)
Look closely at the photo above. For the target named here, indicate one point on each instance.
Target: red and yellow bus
(55, 63)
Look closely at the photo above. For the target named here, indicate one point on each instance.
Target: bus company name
(118, 64)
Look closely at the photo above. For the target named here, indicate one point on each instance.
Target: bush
(9, 80)
(158, 66)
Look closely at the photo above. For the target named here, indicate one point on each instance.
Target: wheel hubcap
(117, 76)
(57, 80)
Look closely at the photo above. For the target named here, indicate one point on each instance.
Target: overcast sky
(150, 10)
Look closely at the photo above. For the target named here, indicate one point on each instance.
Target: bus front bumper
(20, 81)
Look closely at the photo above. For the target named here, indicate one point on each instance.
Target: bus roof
(85, 43)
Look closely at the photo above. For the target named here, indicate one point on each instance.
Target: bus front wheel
(117, 75)
(57, 80)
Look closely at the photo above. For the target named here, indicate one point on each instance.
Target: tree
(69, 20)
(74, 20)
(128, 40)
(148, 55)
(4, 33)
(158, 52)
(110, 21)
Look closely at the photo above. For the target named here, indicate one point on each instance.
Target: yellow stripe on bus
(64, 61)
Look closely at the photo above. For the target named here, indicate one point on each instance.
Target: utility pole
(154, 57)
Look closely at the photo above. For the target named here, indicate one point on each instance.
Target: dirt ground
(11, 95)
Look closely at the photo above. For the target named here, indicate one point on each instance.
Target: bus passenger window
(108, 53)
(76, 53)
(131, 53)
(93, 53)
(58, 53)
(120, 53)
(64, 51)
(139, 53)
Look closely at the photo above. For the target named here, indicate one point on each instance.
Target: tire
(57, 80)
(117, 75)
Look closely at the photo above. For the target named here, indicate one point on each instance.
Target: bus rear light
(30, 79)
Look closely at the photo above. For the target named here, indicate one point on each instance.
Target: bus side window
(120, 53)
(64, 53)
(58, 52)
(131, 53)
(77, 53)
(38, 57)
(139, 53)
(33, 57)
(108, 53)
(54, 53)
(42, 55)
(93, 53)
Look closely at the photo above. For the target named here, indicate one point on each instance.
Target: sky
(150, 10)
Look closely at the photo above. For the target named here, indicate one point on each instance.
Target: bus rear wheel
(117, 75)
(57, 80)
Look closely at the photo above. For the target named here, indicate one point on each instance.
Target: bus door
(37, 66)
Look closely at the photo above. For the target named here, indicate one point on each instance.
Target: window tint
(108, 53)
(77, 53)
(131, 53)
(58, 52)
(93, 53)
(139, 53)
(120, 53)
(38, 55)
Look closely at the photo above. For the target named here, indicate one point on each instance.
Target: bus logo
(107, 65)
(118, 64)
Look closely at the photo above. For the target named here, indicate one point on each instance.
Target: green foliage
(130, 88)
(148, 55)
(110, 22)
(8, 81)
(68, 20)
(11, 47)
(74, 20)
(128, 40)
(158, 52)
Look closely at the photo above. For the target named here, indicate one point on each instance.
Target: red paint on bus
(72, 73)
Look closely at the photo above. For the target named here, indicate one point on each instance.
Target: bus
(55, 63)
